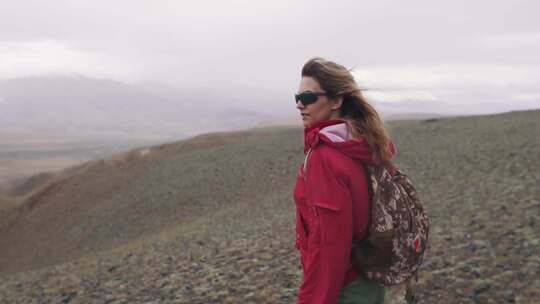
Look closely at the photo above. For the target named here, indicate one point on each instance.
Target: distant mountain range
(79, 106)
(85, 106)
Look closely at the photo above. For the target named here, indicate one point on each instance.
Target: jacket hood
(334, 133)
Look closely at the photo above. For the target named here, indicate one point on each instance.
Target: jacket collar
(311, 133)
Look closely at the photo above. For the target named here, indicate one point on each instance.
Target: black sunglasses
(308, 97)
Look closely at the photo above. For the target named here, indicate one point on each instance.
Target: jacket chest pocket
(331, 221)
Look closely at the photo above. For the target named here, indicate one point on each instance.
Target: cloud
(405, 51)
(48, 56)
(527, 97)
(514, 40)
(458, 88)
(448, 75)
(397, 96)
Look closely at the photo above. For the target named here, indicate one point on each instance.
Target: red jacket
(331, 197)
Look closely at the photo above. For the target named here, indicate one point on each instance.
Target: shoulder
(324, 153)
(326, 156)
(331, 161)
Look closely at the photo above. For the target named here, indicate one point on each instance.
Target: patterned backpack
(398, 230)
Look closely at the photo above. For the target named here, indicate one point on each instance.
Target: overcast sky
(480, 55)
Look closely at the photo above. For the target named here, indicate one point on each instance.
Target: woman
(341, 131)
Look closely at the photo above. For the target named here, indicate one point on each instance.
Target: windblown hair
(360, 116)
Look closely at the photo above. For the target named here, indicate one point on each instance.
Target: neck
(335, 115)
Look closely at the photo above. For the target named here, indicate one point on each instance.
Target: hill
(210, 219)
(86, 107)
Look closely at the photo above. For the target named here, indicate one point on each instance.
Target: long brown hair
(361, 117)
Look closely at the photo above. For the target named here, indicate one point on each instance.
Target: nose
(299, 105)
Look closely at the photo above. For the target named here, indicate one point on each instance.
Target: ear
(336, 103)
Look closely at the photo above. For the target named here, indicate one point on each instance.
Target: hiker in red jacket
(341, 130)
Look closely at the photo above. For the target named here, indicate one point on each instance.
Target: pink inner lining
(336, 133)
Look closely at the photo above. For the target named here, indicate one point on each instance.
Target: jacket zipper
(305, 163)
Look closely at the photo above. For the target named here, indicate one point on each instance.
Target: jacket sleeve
(328, 256)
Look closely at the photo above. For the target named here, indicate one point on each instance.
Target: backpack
(398, 230)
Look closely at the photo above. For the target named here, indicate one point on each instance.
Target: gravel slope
(223, 233)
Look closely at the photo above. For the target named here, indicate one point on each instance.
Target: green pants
(361, 291)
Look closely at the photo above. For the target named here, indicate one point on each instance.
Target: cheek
(315, 110)
(319, 112)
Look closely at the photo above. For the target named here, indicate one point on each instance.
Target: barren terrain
(211, 219)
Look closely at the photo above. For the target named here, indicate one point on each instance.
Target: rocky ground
(478, 177)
